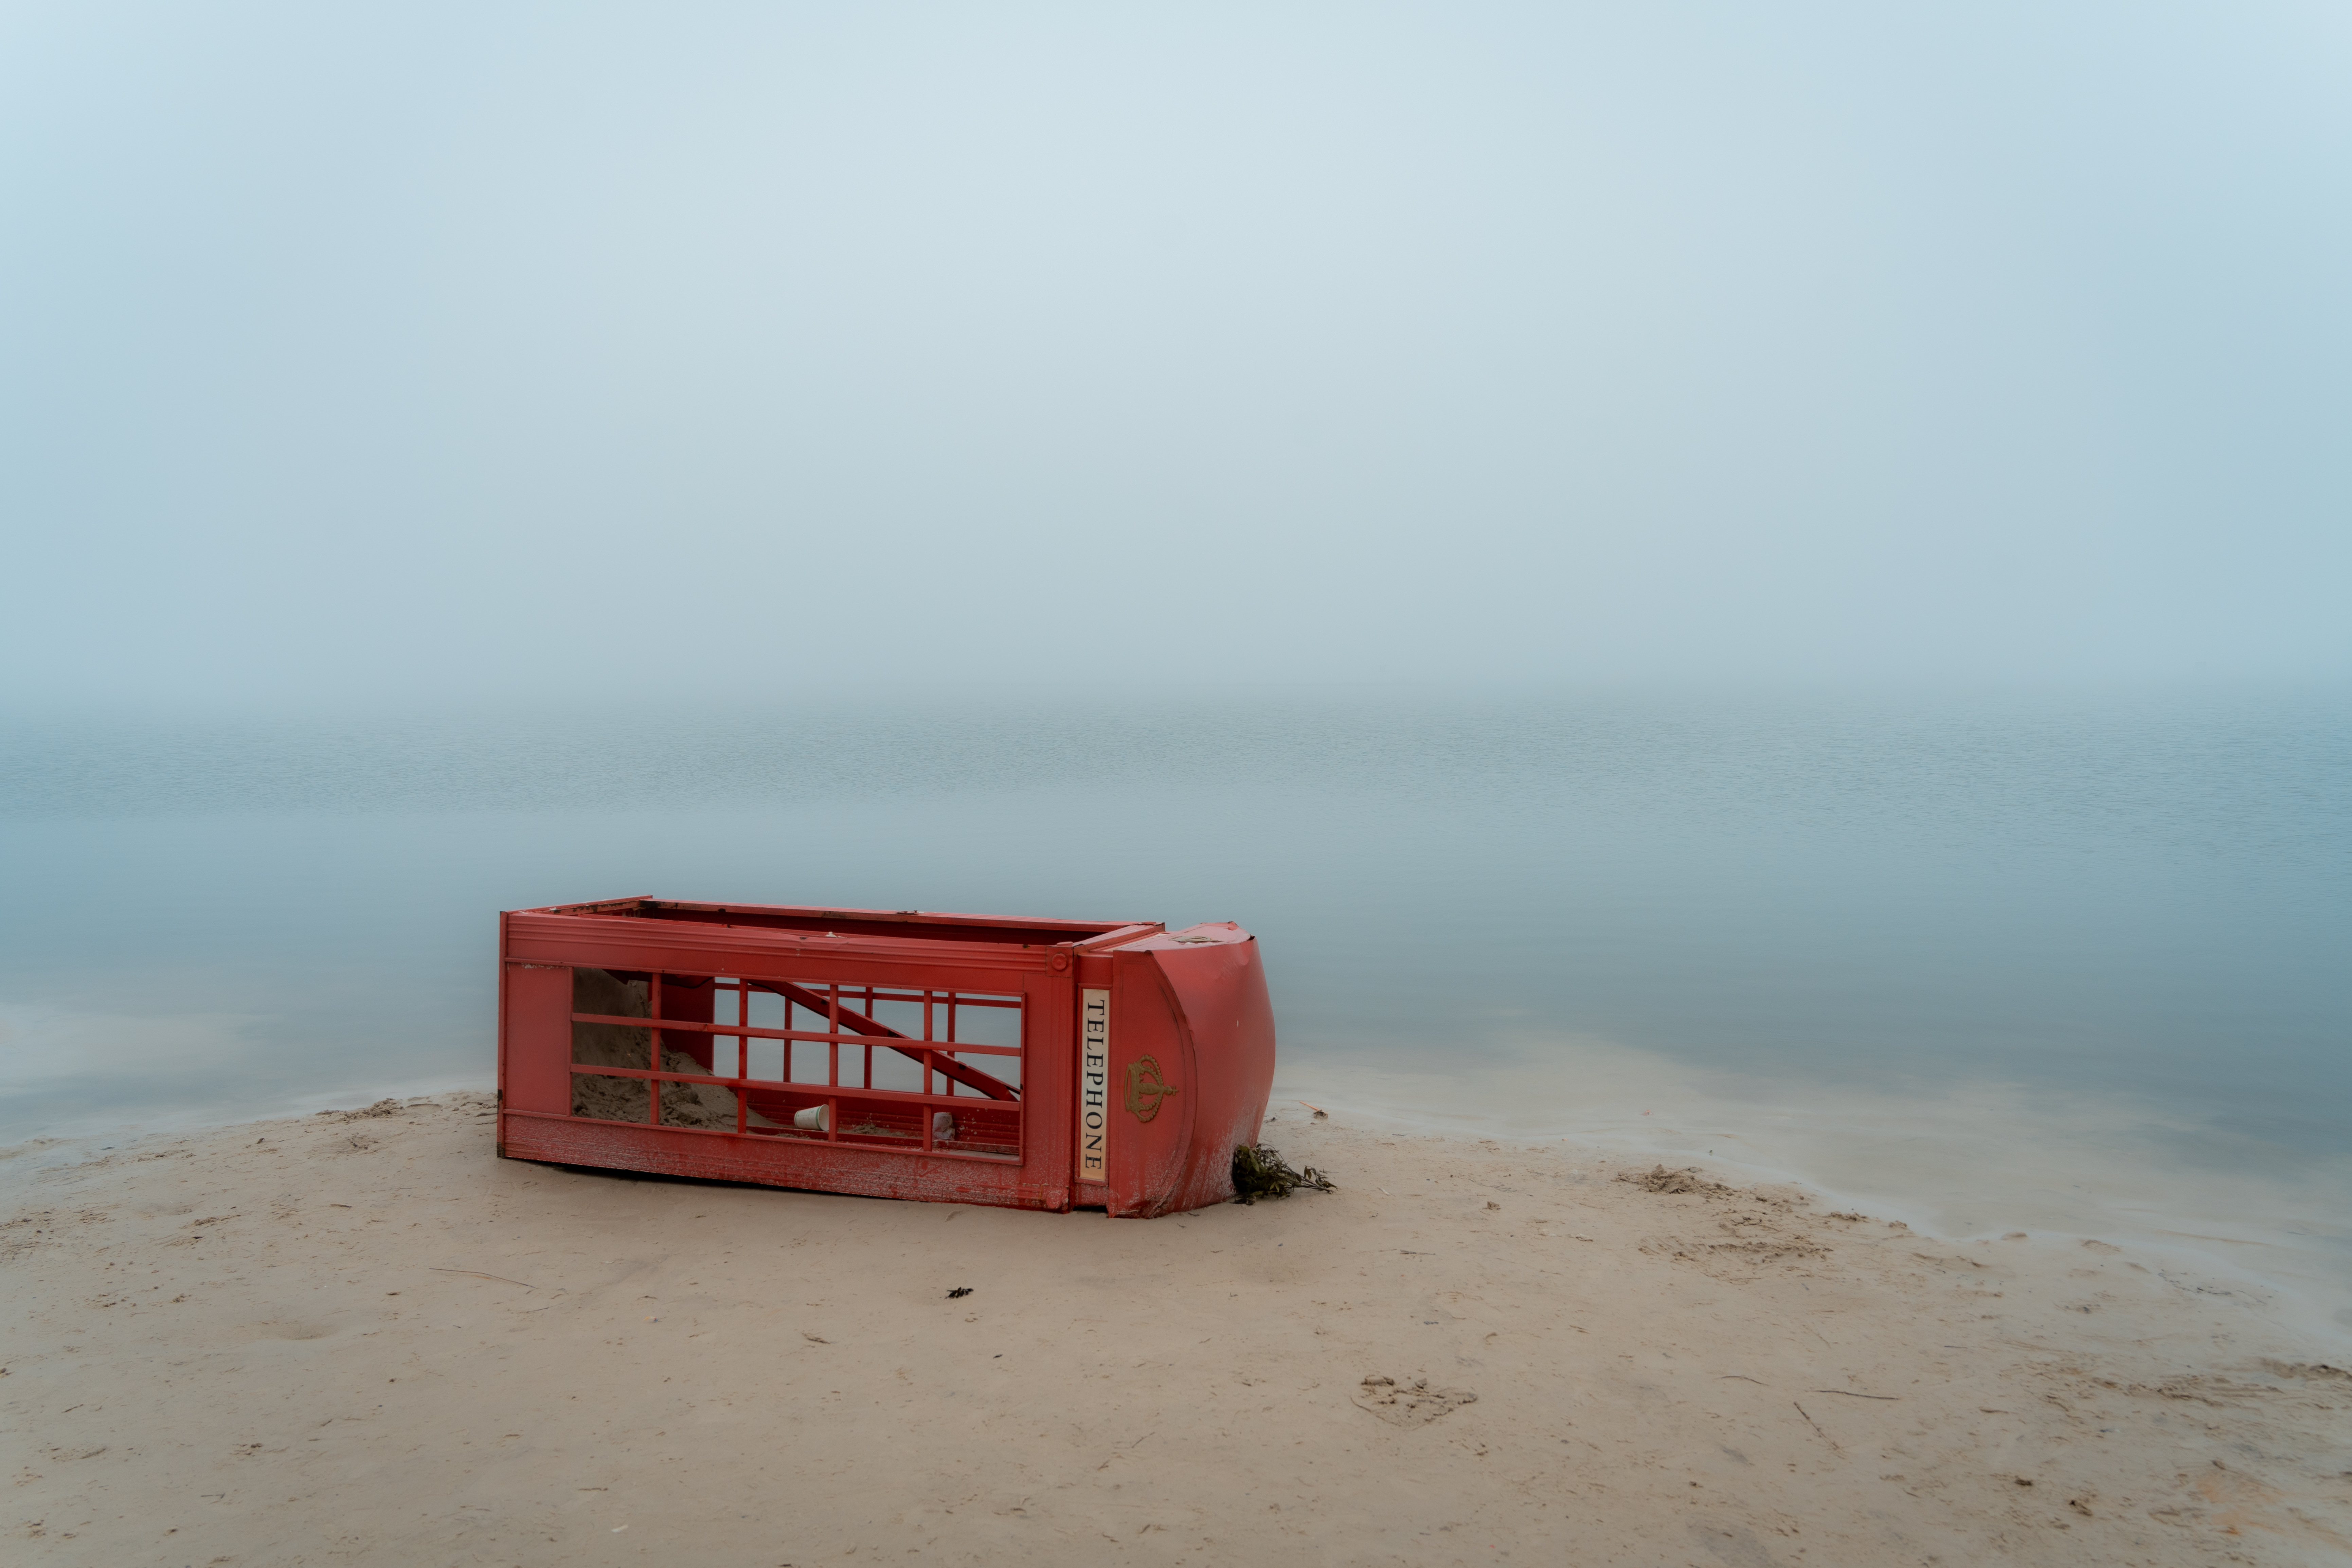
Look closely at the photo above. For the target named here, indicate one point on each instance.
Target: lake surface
(2074, 964)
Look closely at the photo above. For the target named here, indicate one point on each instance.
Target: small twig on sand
(1850, 1394)
(1817, 1428)
(477, 1273)
(1131, 1447)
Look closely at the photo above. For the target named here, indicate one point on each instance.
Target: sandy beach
(360, 1337)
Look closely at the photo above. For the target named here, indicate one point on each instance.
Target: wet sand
(362, 1338)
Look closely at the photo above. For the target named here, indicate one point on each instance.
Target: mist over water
(2078, 925)
(403, 354)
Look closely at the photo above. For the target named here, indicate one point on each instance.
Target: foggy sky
(418, 351)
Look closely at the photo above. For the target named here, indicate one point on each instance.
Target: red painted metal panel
(657, 1063)
(672, 1150)
(1191, 1063)
(1152, 1088)
(1219, 983)
(535, 1030)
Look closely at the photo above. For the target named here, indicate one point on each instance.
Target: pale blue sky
(417, 351)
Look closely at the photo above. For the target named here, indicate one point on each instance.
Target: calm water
(2077, 963)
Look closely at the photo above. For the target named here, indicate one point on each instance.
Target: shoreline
(357, 1336)
(1959, 1160)
(2299, 1253)
(1962, 1163)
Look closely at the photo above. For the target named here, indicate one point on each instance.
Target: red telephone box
(958, 1058)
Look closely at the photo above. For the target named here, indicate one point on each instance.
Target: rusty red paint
(1184, 1076)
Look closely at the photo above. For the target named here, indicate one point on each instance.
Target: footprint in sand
(1413, 1403)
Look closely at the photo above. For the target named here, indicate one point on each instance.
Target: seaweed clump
(1658, 1179)
(1262, 1173)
